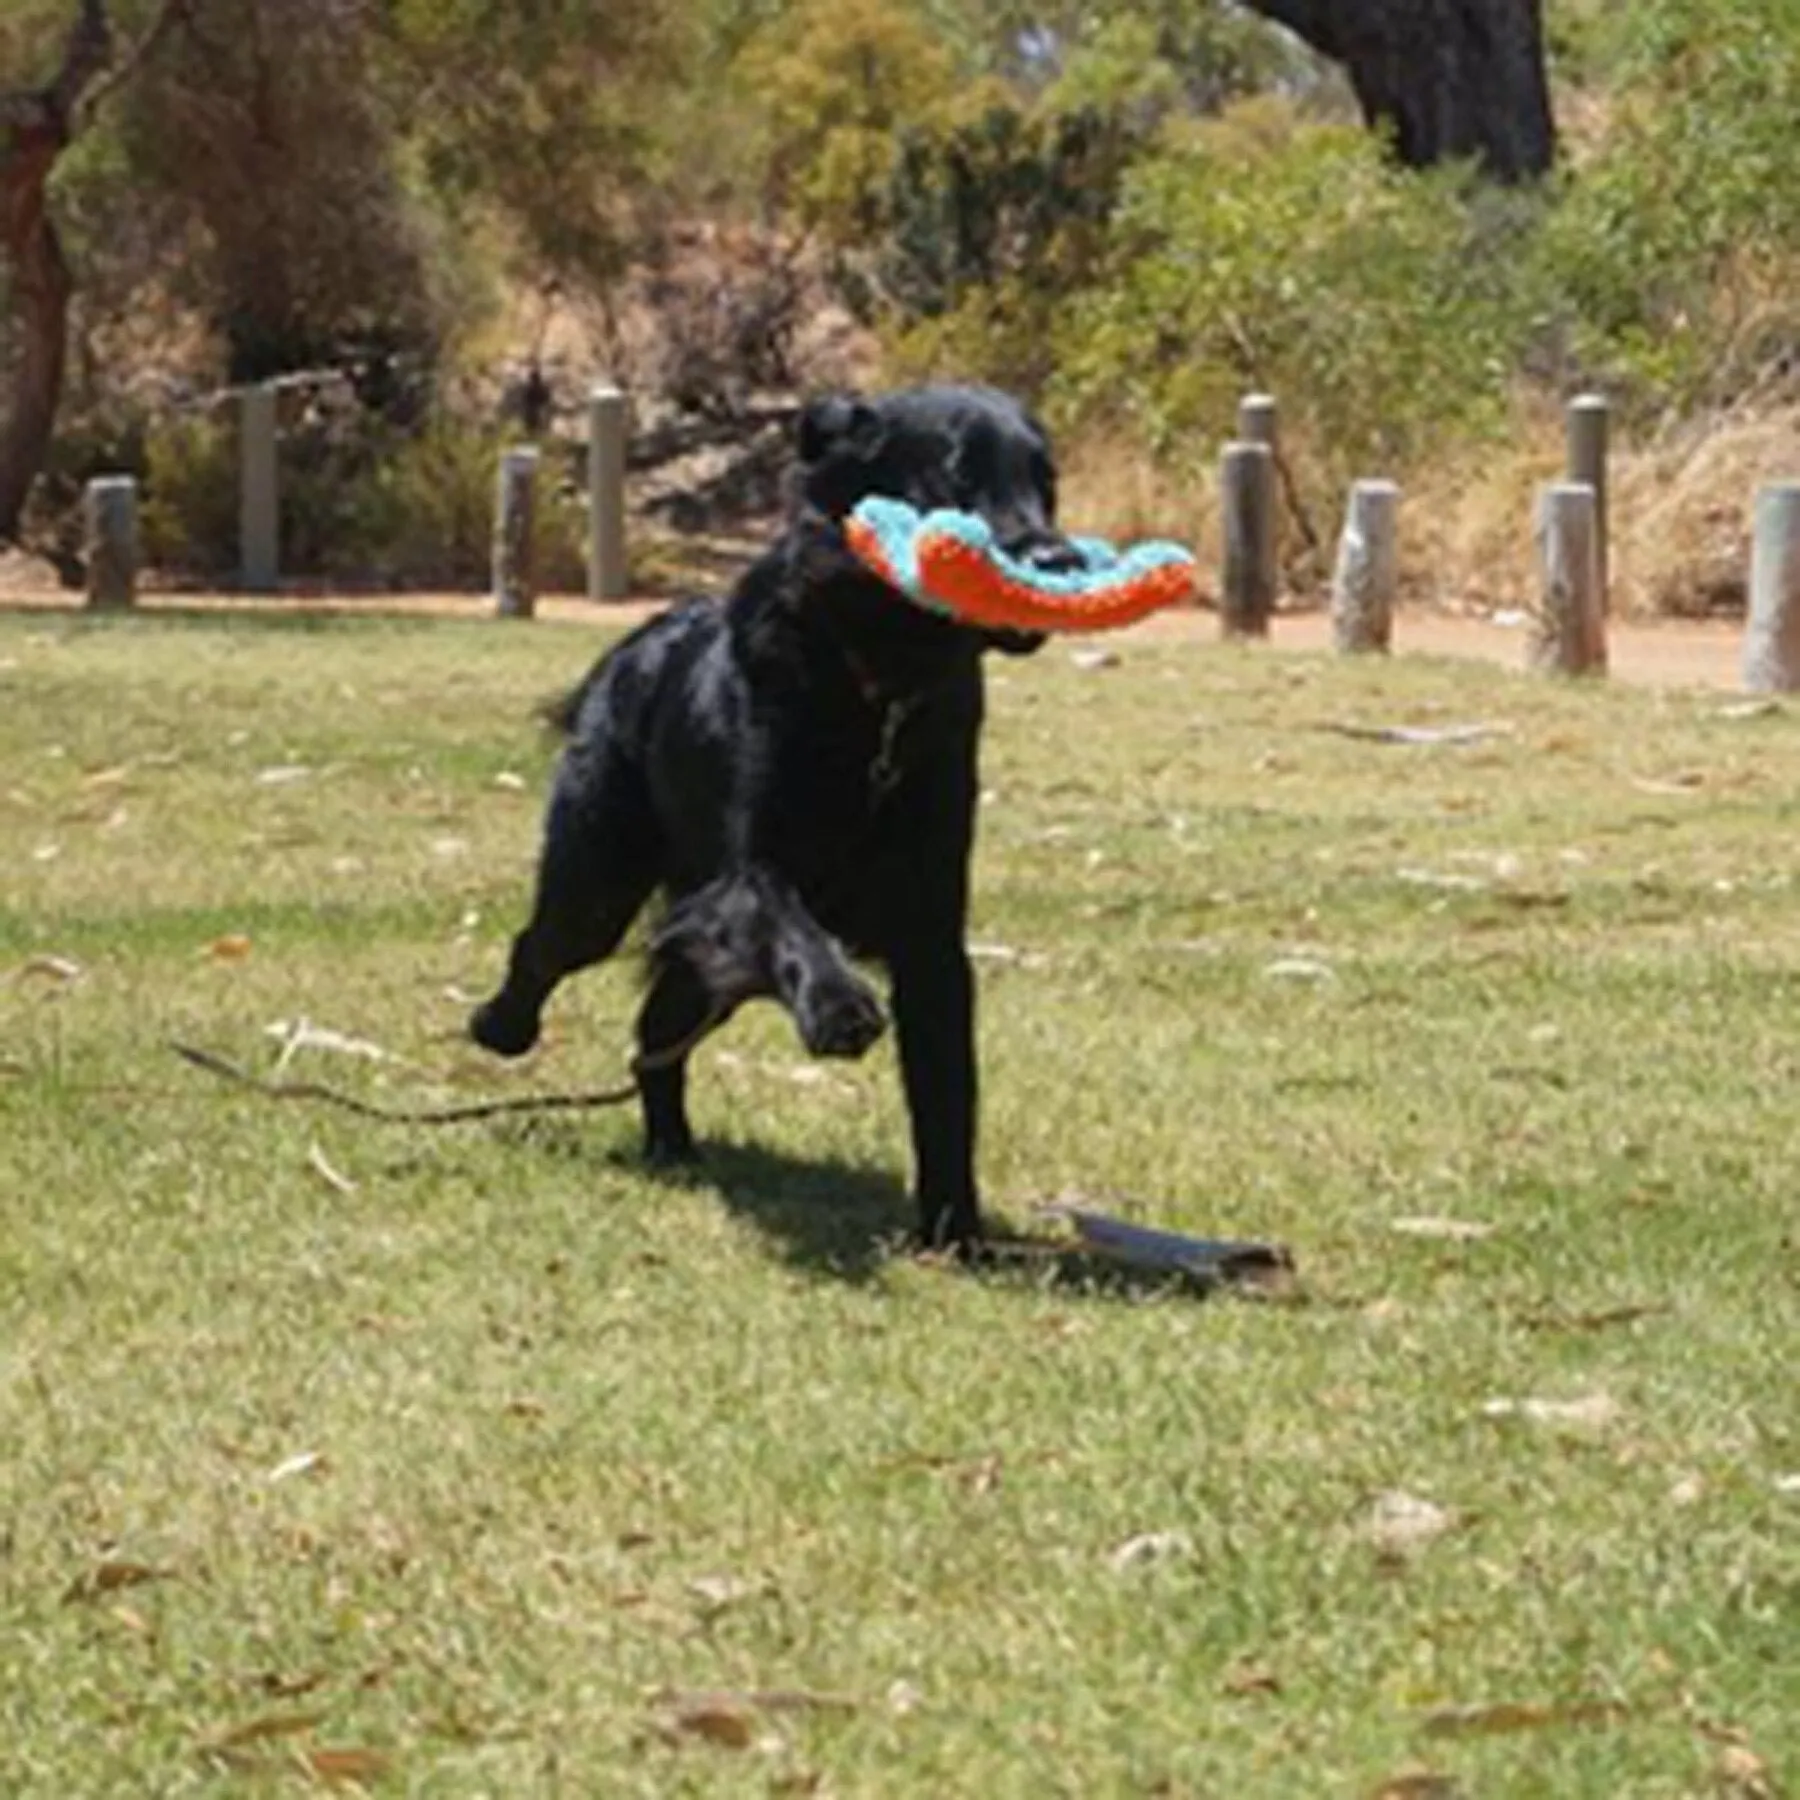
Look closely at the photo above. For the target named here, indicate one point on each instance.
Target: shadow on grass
(850, 1223)
(829, 1217)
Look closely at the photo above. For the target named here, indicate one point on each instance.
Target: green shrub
(1684, 226)
(189, 518)
(1298, 259)
(362, 504)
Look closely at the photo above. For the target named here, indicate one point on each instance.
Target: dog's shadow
(828, 1217)
(848, 1222)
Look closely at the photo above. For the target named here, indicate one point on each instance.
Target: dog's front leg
(934, 1017)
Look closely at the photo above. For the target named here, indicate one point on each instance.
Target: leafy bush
(837, 81)
(362, 504)
(1294, 258)
(1678, 235)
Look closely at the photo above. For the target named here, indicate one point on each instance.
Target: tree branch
(167, 14)
(87, 52)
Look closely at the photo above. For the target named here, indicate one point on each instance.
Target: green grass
(584, 1435)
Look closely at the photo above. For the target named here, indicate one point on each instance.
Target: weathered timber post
(111, 543)
(259, 514)
(608, 574)
(1586, 429)
(1247, 498)
(1772, 634)
(1368, 569)
(515, 529)
(1570, 638)
(1258, 420)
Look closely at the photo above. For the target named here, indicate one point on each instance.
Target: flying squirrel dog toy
(948, 562)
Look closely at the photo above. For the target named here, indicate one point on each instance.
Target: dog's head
(973, 448)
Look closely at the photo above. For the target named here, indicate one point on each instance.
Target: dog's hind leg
(677, 1013)
(600, 861)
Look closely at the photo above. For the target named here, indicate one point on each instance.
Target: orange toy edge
(969, 584)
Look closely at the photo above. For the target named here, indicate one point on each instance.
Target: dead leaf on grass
(302, 1034)
(234, 947)
(1432, 878)
(1587, 1412)
(1418, 735)
(1401, 1524)
(1459, 1231)
(1244, 1680)
(47, 967)
(1418, 1784)
(525, 1406)
(280, 1686)
(110, 1575)
(1299, 968)
(904, 1698)
(132, 1620)
(1593, 1321)
(257, 1731)
(729, 1715)
(994, 953)
(1151, 1546)
(316, 1161)
(723, 1719)
(307, 1462)
(1743, 1773)
(718, 1593)
(1493, 1719)
(340, 1766)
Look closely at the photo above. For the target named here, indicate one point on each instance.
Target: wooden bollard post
(515, 524)
(1258, 420)
(1247, 499)
(1586, 427)
(111, 543)
(1368, 569)
(1772, 635)
(259, 514)
(607, 569)
(1571, 634)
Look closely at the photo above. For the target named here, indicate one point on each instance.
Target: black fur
(796, 770)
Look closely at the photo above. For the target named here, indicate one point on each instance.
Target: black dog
(796, 769)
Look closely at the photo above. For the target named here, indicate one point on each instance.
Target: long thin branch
(138, 55)
(88, 51)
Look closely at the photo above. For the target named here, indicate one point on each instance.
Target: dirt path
(1649, 654)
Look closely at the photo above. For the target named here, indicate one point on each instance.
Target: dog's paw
(672, 1151)
(965, 1249)
(843, 1021)
(503, 1029)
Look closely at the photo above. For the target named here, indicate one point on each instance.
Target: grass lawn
(478, 1461)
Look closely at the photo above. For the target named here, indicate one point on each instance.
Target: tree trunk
(36, 126)
(1449, 78)
(40, 288)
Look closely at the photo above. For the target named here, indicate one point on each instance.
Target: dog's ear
(834, 421)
